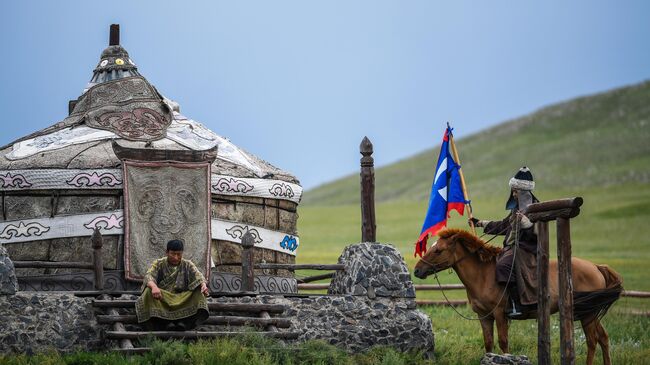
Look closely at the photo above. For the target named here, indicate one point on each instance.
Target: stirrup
(514, 313)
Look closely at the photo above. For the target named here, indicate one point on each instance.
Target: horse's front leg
(487, 325)
(502, 330)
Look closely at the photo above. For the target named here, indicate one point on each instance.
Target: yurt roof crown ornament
(127, 161)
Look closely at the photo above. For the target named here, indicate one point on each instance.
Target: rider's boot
(515, 307)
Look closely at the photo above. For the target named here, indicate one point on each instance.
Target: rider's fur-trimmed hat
(523, 180)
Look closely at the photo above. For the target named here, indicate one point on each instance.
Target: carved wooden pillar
(98, 265)
(247, 274)
(368, 222)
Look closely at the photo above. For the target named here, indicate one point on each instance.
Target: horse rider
(516, 264)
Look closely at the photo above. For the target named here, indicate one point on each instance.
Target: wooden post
(454, 152)
(247, 274)
(561, 210)
(543, 298)
(98, 265)
(120, 239)
(567, 355)
(368, 222)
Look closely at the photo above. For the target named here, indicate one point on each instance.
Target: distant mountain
(592, 141)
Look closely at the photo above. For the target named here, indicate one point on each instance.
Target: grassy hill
(593, 141)
(597, 147)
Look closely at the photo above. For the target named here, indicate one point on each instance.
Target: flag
(446, 194)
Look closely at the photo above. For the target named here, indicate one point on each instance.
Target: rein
(505, 289)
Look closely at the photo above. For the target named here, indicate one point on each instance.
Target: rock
(373, 270)
(492, 358)
(8, 281)
(69, 324)
(371, 293)
(357, 323)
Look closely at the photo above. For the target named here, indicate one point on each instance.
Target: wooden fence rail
(293, 267)
(53, 265)
(430, 287)
(309, 279)
(418, 287)
(96, 265)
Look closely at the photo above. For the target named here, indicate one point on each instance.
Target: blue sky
(299, 83)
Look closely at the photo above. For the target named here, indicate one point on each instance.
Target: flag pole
(462, 181)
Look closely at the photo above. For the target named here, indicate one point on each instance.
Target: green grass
(243, 350)
(460, 341)
(457, 342)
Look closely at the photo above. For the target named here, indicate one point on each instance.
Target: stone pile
(373, 270)
(37, 322)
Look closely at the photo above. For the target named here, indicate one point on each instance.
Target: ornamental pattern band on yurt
(49, 179)
(112, 223)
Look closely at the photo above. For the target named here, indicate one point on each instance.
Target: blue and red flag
(446, 194)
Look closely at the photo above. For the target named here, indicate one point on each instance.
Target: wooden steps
(134, 335)
(261, 316)
(212, 320)
(221, 307)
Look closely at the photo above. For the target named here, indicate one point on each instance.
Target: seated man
(174, 292)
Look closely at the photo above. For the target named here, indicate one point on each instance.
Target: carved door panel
(166, 200)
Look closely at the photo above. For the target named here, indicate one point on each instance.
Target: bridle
(433, 266)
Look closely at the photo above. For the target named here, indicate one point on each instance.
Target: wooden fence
(97, 265)
(430, 287)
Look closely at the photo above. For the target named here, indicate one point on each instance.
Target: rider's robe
(525, 272)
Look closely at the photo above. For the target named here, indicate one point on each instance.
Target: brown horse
(475, 262)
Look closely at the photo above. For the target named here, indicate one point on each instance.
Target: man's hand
(524, 221)
(155, 292)
(204, 289)
(474, 221)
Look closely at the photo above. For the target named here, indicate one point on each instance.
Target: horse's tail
(612, 278)
(591, 305)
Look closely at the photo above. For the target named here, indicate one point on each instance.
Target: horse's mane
(485, 251)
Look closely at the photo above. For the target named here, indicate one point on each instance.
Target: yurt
(127, 161)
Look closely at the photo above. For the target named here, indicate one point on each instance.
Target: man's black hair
(175, 245)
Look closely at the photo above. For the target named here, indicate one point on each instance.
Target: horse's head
(452, 246)
(440, 256)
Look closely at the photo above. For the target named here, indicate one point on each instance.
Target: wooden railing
(459, 302)
(96, 265)
(248, 266)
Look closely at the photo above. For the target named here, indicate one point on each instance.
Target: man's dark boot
(515, 307)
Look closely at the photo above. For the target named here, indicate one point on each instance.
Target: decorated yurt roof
(120, 105)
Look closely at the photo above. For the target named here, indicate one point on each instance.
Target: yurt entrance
(166, 196)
